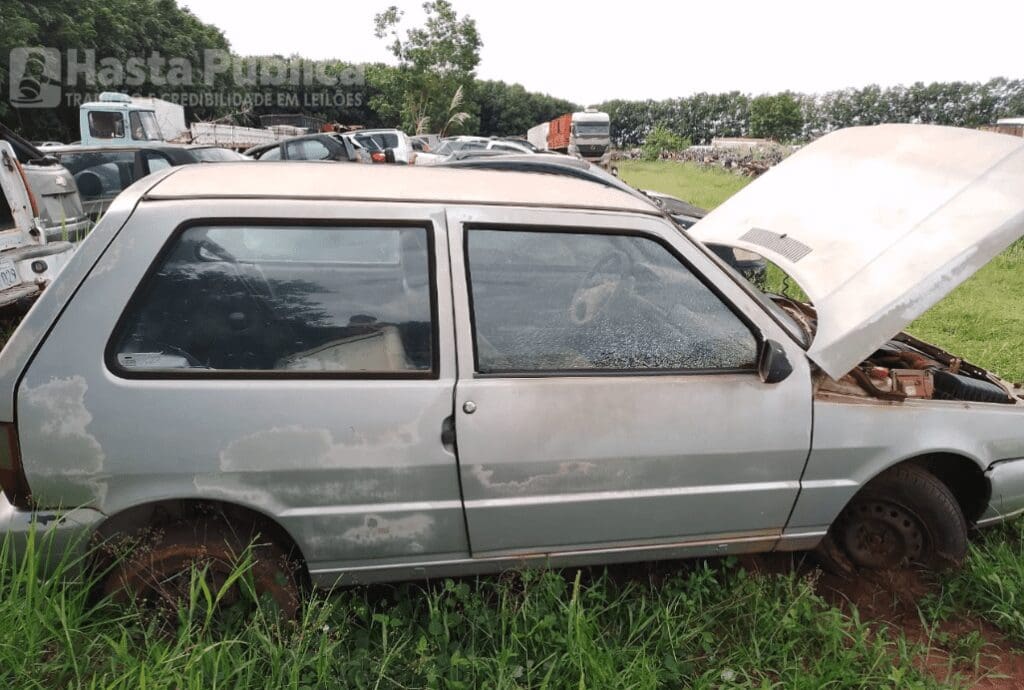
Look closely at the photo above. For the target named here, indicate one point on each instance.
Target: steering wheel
(595, 292)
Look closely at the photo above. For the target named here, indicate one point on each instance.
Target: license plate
(8, 274)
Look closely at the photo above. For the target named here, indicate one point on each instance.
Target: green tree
(662, 140)
(113, 28)
(510, 110)
(434, 61)
(776, 117)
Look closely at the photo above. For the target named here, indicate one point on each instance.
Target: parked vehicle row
(102, 172)
(388, 373)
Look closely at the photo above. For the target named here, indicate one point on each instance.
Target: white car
(383, 139)
(455, 145)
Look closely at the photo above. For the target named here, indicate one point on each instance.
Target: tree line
(433, 85)
(791, 116)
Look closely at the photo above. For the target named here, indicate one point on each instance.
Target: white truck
(586, 134)
(118, 119)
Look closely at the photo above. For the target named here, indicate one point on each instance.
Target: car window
(447, 148)
(100, 174)
(214, 154)
(273, 154)
(144, 125)
(106, 125)
(552, 301)
(156, 162)
(383, 140)
(281, 299)
(308, 150)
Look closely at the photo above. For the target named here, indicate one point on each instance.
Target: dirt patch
(972, 648)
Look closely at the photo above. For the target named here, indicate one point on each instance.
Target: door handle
(469, 407)
(448, 434)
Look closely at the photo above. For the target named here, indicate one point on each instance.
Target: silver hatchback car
(394, 372)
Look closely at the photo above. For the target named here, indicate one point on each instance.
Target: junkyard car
(29, 258)
(391, 371)
(60, 213)
(320, 146)
(102, 172)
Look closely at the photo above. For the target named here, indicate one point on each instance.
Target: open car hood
(877, 224)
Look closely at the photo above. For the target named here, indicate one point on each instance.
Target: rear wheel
(905, 517)
(158, 571)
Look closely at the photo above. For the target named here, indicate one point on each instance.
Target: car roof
(378, 130)
(400, 183)
(134, 146)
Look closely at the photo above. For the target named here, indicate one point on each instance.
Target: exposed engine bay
(907, 368)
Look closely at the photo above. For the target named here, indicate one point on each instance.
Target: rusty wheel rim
(882, 535)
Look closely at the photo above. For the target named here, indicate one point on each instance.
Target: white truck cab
(115, 120)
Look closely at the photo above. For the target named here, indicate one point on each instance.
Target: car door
(296, 359)
(607, 393)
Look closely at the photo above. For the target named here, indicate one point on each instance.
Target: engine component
(913, 383)
(959, 387)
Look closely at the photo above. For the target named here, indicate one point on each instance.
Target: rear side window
(555, 301)
(284, 299)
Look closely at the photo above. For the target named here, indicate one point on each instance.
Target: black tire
(905, 517)
(156, 572)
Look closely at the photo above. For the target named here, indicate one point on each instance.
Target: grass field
(705, 624)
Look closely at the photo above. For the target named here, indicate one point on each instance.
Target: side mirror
(89, 184)
(389, 155)
(773, 365)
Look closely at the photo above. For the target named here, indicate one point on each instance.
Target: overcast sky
(596, 50)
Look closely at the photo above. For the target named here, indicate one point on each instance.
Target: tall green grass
(706, 625)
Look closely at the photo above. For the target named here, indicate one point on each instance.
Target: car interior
(286, 299)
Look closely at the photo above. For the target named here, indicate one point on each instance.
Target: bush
(662, 140)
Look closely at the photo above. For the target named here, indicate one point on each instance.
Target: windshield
(216, 154)
(591, 129)
(144, 125)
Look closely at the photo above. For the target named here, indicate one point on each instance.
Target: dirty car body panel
(561, 406)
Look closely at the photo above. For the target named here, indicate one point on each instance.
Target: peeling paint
(58, 408)
(377, 530)
(548, 481)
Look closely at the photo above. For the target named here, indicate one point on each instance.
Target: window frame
(110, 350)
(467, 230)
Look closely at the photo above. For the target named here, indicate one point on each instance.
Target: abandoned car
(391, 372)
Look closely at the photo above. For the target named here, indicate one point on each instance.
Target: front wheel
(905, 517)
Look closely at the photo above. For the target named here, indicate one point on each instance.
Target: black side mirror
(773, 365)
(389, 155)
